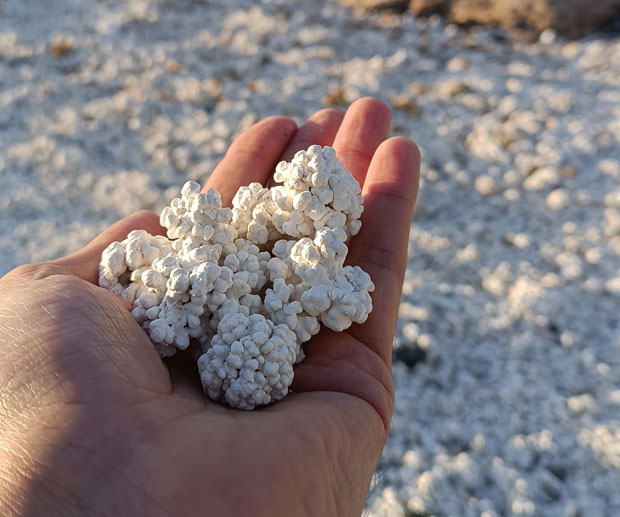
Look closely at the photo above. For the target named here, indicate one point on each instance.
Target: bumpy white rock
(317, 192)
(249, 362)
(251, 283)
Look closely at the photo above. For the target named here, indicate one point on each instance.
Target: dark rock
(410, 355)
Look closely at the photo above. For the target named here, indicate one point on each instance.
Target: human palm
(92, 421)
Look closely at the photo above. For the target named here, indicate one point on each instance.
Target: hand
(92, 421)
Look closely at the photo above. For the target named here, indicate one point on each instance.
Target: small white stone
(485, 185)
(557, 199)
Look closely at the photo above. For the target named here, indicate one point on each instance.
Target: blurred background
(507, 352)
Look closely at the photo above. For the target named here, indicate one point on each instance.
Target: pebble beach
(507, 350)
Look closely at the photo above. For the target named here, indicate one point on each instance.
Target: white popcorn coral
(317, 192)
(342, 301)
(253, 211)
(199, 226)
(139, 249)
(337, 295)
(250, 361)
(251, 283)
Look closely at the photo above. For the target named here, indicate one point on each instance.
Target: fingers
(380, 248)
(84, 263)
(252, 156)
(320, 129)
(365, 125)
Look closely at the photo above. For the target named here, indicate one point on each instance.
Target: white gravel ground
(507, 365)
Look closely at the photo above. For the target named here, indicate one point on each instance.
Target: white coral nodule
(251, 283)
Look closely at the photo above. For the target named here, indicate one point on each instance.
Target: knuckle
(144, 214)
(36, 271)
(326, 115)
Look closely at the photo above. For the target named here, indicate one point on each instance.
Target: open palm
(92, 421)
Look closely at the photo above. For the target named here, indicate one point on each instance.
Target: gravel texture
(507, 355)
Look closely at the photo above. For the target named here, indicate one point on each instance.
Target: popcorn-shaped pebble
(197, 218)
(139, 249)
(252, 216)
(342, 301)
(250, 361)
(250, 261)
(316, 192)
(282, 307)
(252, 283)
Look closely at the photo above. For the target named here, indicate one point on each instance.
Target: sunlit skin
(92, 421)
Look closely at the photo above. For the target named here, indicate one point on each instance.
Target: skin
(93, 422)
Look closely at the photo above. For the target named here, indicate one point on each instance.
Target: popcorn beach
(506, 357)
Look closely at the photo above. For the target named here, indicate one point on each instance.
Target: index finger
(252, 156)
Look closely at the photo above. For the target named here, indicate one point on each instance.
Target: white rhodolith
(251, 283)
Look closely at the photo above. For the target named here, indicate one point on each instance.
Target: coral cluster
(251, 283)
